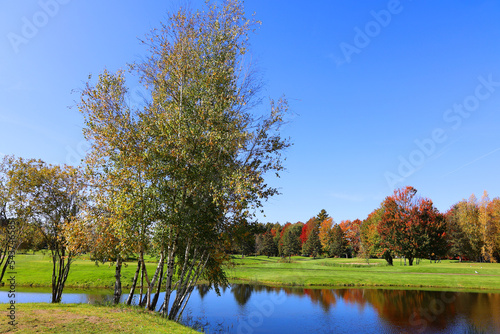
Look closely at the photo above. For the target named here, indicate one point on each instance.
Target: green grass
(35, 271)
(85, 318)
(356, 272)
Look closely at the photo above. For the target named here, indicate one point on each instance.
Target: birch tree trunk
(118, 281)
(134, 283)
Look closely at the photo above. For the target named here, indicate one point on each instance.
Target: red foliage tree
(306, 230)
(352, 233)
(284, 229)
(411, 226)
(303, 235)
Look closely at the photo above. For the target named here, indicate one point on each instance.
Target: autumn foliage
(411, 226)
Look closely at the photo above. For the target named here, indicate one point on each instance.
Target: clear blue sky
(384, 93)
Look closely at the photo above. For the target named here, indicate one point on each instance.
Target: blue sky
(383, 93)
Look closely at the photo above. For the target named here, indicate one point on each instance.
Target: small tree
(50, 197)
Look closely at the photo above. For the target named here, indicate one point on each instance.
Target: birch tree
(191, 163)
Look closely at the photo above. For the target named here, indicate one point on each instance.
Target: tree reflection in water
(293, 310)
(415, 309)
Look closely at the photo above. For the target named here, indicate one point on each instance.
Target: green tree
(50, 198)
(313, 245)
(269, 246)
(371, 243)
(12, 226)
(291, 240)
(193, 159)
(322, 215)
(338, 243)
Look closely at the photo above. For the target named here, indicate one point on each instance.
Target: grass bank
(85, 318)
(357, 272)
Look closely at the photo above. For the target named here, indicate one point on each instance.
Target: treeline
(405, 225)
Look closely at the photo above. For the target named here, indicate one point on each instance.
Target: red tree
(411, 226)
(306, 230)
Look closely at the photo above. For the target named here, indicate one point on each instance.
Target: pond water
(244, 308)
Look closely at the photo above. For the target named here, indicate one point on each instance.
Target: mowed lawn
(85, 318)
(35, 271)
(357, 272)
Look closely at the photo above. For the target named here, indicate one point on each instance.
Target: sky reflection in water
(247, 308)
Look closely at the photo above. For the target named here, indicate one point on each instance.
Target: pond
(244, 308)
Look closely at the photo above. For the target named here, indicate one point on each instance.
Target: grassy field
(85, 318)
(35, 271)
(356, 272)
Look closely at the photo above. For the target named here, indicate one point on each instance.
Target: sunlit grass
(86, 318)
(35, 271)
(359, 272)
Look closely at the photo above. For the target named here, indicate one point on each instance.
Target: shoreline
(108, 290)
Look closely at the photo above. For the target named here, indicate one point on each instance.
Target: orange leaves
(324, 231)
(411, 226)
(352, 233)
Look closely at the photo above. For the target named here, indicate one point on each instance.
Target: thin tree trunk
(170, 272)
(134, 283)
(182, 283)
(60, 272)
(143, 300)
(157, 294)
(54, 269)
(184, 286)
(4, 257)
(186, 256)
(118, 281)
(6, 264)
(63, 278)
(193, 284)
(153, 281)
(142, 282)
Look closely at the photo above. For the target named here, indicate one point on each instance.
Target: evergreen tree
(322, 215)
(291, 240)
(269, 247)
(313, 245)
(337, 244)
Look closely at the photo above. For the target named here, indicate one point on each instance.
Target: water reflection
(404, 309)
(242, 293)
(203, 290)
(295, 310)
